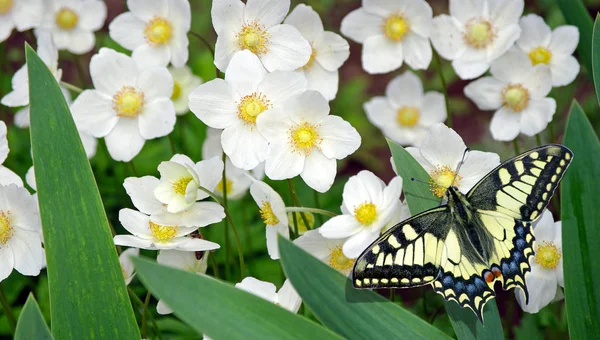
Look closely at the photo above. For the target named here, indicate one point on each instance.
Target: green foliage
(88, 297)
(31, 323)
(596, 56)
(581, 227)
(576, 13)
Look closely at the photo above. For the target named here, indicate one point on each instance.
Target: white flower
(127, 267)
(179, 184)
(147, 234)
(305, 140)
(234, 104)
(476, 32)
(367, 206)
(156, 31)
(130, 104)
(441, 152)
(184, 82)
(286, 297)
(329, 51)
(545, 280)
(20, 232)
(517, 91)
(7, 176)
(327, 250)
(19, 14)
(72, 23)
(405, 113)
(272, 212)
(198, 214)
(392, 32)
(553, 48)
(255, 26)
(193, 262)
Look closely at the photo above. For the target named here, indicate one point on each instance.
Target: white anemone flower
(127, 267)
(147, 234)
(518, 92)
(552, 48)
(367, 207)
(272, 212)
(130, 104)
(7, 176)
(235, 104)
(286, 297)
(193, 262)
(156, 31)
(179, 183)
(20, 232)
(441, 152)
(72, 23)
(327, 250)
(392, 32)
(329, 51)
(184, 82)
(405, 113)
(19, 14)
(476, 33)
(546, 280)
(304, 139)
(256, 27)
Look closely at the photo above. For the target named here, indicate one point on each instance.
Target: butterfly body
(463, 247)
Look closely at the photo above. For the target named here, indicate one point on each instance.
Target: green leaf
(350, 312)
(88, 297)
(581, 227)
(576, 13)
(419, 198)
(222, 311)
(596, 55)
(31, 324)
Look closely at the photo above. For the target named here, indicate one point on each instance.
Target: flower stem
(226, 230)
(214, 264)
(205, 42)
(296, 201)
(133, 169)
(318, 205)
(170, 136)
(70, 87)
(538, 139)
(311, 210)
(12, 321)
(141, 304)
(144, 313)
(438, 63)
(516, 146)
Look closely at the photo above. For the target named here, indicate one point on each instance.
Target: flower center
(158, 31)
(267, 214)
(251, 106)
(365, 213)
(66, 18)
(5, 6)
(6, 229)
(305, 137)
(548, 255)
(408, 116)
(176, 91)
(163, 233)
(395, 27)
(339, 261)
(229, 184)
(515, 96)
(479, 33)
(442, 177)
(128, 102)
(180, 185)
(302, 228)
(253, 37)
(311, 60)
(540, 55)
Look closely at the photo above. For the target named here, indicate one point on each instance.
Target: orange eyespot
(497, 272)
(489, 277)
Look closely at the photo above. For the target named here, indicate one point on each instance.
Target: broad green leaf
(581, 227)
(596, 55)
(419, 198)
(221, 311)
(576, 14)
(88, 297)
(31, 324)
(353, 313)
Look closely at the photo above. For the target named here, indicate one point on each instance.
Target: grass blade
(221, 311)
(88, 297)
(581, 227)
(31, 324)
(596, 56)
(576, 14)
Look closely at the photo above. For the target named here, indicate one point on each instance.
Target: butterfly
(463, 247)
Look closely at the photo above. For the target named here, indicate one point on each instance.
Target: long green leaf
(88, 297)
(596, 56)
(581, 227)
(31, 324)
(419, 198)
(221, 311)
(356, 314)
(576, 14)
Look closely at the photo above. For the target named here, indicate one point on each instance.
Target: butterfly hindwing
(407, 255)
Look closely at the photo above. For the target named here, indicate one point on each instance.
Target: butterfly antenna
(460, 165)
(428, 183)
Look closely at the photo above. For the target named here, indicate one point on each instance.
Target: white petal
(380, 55)
(272, 245)
(93, 16)
(464, 10)
(274, 124)
(564, 40)
(146, 55)
(111, 70)
(379, 112)
(417, 51)
(132, 241)
(419, 15)
(27, 14)
(125, 141)
(162, 308)
(319, 171)
(22, 118)
(564, 69)
(7, 264)
(391, 196)
(511, 67)
(359, 25)
(319, 79)
(195, 244)
(280, 86)
(405, 90)
(314, 243)
(309, 106)
(19, 96)
(541, 289)
(81, 41)
(93, 113)
(213, 103)
(433, 109)
(340, 226)
(447, 37)
(267, 12)
(289, 297)
(485, 92)
(505, 40)
(227, 14)
(538, 81)
(30, 178)
(244, 145)
(340, 139)
(210, 172)
(3, 142)
(544, 228)
(534, 32)
(180, 13)
(356, 244)
(287, 50)
(306, 20)
(155, 82)
(262, 192)
(469, 70)
(505, 125)
(225, 47)
(537, 115)
(135, 222)
(141, 192)
(505, 12)
(476, 165)
(262, 289)
(331, 50)
(361, 188)
(244, 72)
(443, 146)
(27, 251)
(7, 177)
(283, 162)
(202, 214)
(147, 9)
(157, 119)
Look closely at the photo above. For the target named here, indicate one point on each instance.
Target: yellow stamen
(515, 97)
(442, 178)
(251, 106)
(339, 261)
(479, 33)
(229, 184)
(163, 233)
(267, 214)
(66, 18)
(540, 55)
(6, 6)
(176, 91)
(180, 185)
(548, 255)
(128, 102)
(158, 31)
(365, 213)
(6, 229)
(304, 137)
(408, 116)
(395, 27)
(311, 60)
(253, 37)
